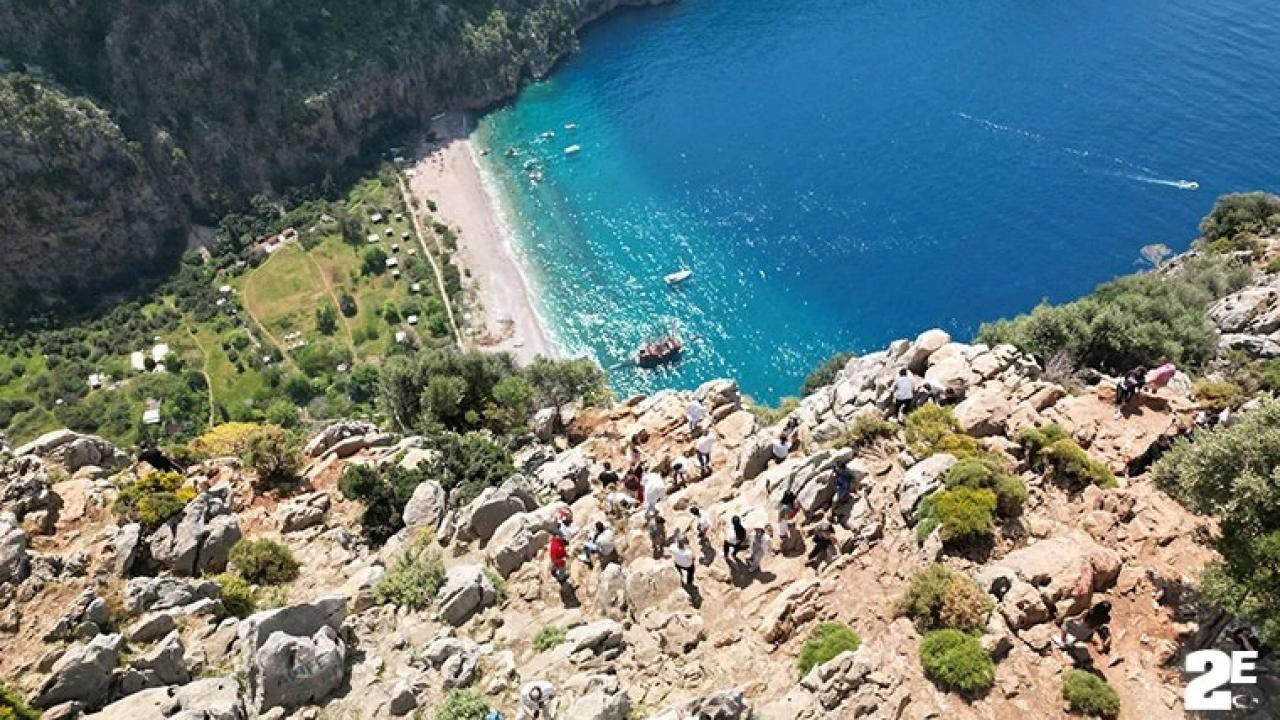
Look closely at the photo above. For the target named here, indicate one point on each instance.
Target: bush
(1010, 491)
(956, 661)
(466, 464)
(772, 415)
(1230, 473)
(865, 429)
(1089, 694)
(152, 499)
(224, 440)
(462, 705)
(548, 636)
(264, 562)
(933, 429)
(272, 453)
(825, 374)
(12, 706)
(1069, 464)
(384, 491)
(937, 598)
(963, 513)
(1237, 220)
(238, 596)
(1035, 440)
(415, 577)
(1218, 394)
(826, 641)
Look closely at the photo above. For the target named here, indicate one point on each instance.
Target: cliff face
(226, 98)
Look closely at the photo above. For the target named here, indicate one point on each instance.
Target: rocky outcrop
(290, 671)
(519, 538)
(920, 481)
(73, 451)
(162, 593)
(14, 560)
(425, 508)
(210, 699)
(199, 539)
(480, 519)
(725, 705)
(321, 442)
(304, 511)
(466, 590)
(82, 674)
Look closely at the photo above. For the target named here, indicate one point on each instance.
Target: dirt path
(208, 380)
(435, 267)
(248, 307)
(351, 342)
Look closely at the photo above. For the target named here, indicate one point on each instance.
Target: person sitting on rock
(536, 701)
(787, 512)
(1127, 388)
(608, 478)
(824, 544)
(1082, 628)
(601, 545)
(780, 449)
(791, 431)
(618, 503)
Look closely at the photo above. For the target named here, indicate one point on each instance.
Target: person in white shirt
(705, 444)
(618, 502)
(703, 525)
(759, 546)
(780, 449)
(695, 414)
(600, 545)
(904, 392)
(682, 554)
(536, 701)
(655, 491)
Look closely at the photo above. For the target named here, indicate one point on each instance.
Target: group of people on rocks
(906, 395)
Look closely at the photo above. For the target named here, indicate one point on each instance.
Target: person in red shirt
(559, 551)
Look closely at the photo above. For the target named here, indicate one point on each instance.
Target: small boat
(485, 152)
(571, 126)
(677, 277)
(659, 352)
(572, 149)
(548, 134)
(530, 164)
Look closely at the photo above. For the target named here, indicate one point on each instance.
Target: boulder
(603, 638)
(300, 620)
(349, 446)
(125, 549)
(26, 491)
(151, 626)
(600, 704)
(719, 397)
(544, 424)
(425, 507)
(920, 480)
(723, 705)
(73, 450)
(362, 587)
(482, 516)
(83, 674)
(467, 589)
(403, 700)
(198, 540)
(86, 607)
(290, 671)
(651, 583)
(1259, 346)
(320, 443)
(567, 477)
(984, 413)
(611, 592)
(835, 680)
(791, 609)
(165, 661)
(304, 511)
(520, 538)
(1253, 310)
(1051, 578)
(15, 562)
(161, 593)
(208, 699)
(926, 344)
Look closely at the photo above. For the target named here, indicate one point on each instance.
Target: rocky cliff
(107, 619)
(196, 105)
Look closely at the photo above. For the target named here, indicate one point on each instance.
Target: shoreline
(499, 309)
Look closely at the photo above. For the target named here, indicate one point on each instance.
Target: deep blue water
(840, 174)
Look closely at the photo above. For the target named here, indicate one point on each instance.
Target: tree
(347, 304)
(373, 261)
(466, 464)
(272, 453)
(326, 319)
(442, 400)
(560, 381)
(1233, 474)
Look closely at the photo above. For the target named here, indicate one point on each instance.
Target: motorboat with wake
(677, 277)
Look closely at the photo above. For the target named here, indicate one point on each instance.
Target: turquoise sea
(838, 173)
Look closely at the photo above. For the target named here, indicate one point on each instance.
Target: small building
(412, 319)
(416, 287)
(392, 262)
(159, 351)
(225, 289)
(395, 274)
(389, 232)
(373, 238)
(376, 218)
(402, 336)
(151, 416)
(97, 380)
(138, 361)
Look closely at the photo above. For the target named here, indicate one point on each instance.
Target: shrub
(934, 429)
(272, 453)
(462, 705)
(826, 641)
(238, 596)
(1229, 473)
(1068, 463)
(956, 661)
(963, 513)
(548, 636)
(415, 577)
(1218, 394)
(1269, 374)
(384, 491)
(865, 429)
(1089, 694)
(772, 415)
(224, 440)
(825, 374)
(1011, 495)
(1238, 219)
(466, 464)
(12, 706)
(977, 474)
(937, 598)
(264, 562)
(1035, 440)
(152, 499)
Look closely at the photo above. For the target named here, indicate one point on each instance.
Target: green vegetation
(938, 598)
(825, 374)
(1238, 220)
(273, 454)
(462, 705)
(548, 636)
(1137, 319)
(1011, 492)
(1069, 465)
(415, 577)
(826, 641)
(767, 415)
(12, 706)
(1230, 473)
(864, 431)
(963, 514)
(956, 661)
(1218, 394)
(238, 596)
(1089, 694)
(152, 499)
(1035, 440)
(264, 562)
(933, 429)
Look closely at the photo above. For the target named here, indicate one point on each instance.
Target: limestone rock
(301, 620)
(650, 583)
(544, 424)
(567, 477)
(362, 587)
(199, 539)
(838, 678)
(304, 511)
(601, 705)
(926, 344)
(791, 609)
(467, 589)
(985, 412)
(425, 507)
(125, 547)
(724, 705)
(82, 674)
(482, 516)
(289, 671)
(920, 480)
(324, 440)
(73, 450)
(161, 593)
(403, 700)
(150, 627)
(611, 592)
(15, 562)
(165, 661)
(603, 638)
(520, 537)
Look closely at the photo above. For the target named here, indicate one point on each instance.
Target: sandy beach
(499, 310)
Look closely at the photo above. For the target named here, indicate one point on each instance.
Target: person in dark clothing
(843, 484)
(1080, 630)
(735, 539)
(608, 478)
(823, 545)
(158, 460)
(1128, 387)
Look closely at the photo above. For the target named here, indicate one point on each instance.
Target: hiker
(655, 491)
(1127, 388)
(657, 533)
(705, 444)
(780, 449)
(1083, 627)
(695, 414)
(1225, 418)
(842, 478)
(735, 539)
(608, 478)
(632, 482)
(617, 502)
(635, 456)
(823, 545)
(682, 555)
(703, 523)
(679, 475)
(536, 701)
(600, 545)
(787, 512)
(791, 431)
(558, 551)
(1161, 375)
(904, 391)
(759, 546)
(564, 524)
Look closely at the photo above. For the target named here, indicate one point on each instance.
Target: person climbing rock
(558, 551)
(759, 548)
(823, 546)
(679, 474)
(655, 491)
(735, 539)
(695, 415)
(601, 545)
(787, 512)
(682, 555)
(703, 523)
(703, 447)
(1079, 631)
(842, 483)
(657, 533)
(780, 449)
(537, 700)
(1127, 388)
(904, 392)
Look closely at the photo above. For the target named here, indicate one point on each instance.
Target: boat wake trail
(1143, 174)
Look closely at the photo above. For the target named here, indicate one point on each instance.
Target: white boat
(677, 277)
(572, 149)
(571, 126)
